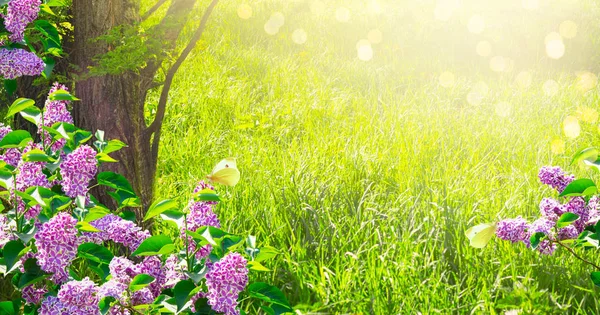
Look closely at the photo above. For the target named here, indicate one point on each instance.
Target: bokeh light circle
(299, 36)
(244, 11)
(571, 127)
(476, 24)
(484, 48)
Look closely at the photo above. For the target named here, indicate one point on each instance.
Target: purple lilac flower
(57, 244)
(33, 295)
(19, 13)
(116, 229)
(173, 272)
(578, 206)
(11, 156)
(55, 112)
(114, 288)
(226, 279)
(16, 63)
(546, 246)
(551, 209)
(52, 306)
(568, 232)
(79, 297)
(555, 177)
(77, 171)
(201, 214)
(152, 266)
(199, 295)
(514, 230)
(594, 210)
(30, 174)
(6, 229)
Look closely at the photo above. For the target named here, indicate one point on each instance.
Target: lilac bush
(66, 243)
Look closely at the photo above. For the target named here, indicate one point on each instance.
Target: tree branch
(156, 125)
(576, 255)
(153, 9)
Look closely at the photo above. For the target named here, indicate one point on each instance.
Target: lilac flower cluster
(33, 295)
(30, 174)
(16, 63)
(6, 229)
(519, 230)
(55, 112)
(74, 297)
(57, 244)
(77, 170)
(226, 279)
(555, 177)
(19, 13)
(201, 214)
(116, 229)
(10, 156)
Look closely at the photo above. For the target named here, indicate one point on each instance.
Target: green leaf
(19, 105)
(115, 181)
(580, 187)
(256, 266)
(57, 3)
(83, 226)
(140, 281)
(7, 308)
(181, 292)
(103, 157)
(49, 31)
(16, 139)
(62, 95)
(33, 273)
(206, 195)
(6, 179)
(113, 145)
(589, 154)
(95, 252)
(105, 304)
(32, 114)
(159, 207)
(37, 155)
(595, 277)
(10, 86)
(268, 293)
(152, 245)
(25, 237)
(266, 253)
(96, 213)
(12, 252)
(536, 239)
(50, 63)
(566, 219)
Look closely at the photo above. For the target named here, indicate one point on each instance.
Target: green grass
(366, 174)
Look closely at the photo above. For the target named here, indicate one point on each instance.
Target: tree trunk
(113, 103)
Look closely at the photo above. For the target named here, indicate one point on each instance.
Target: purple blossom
(201, 214)
(57, 244)
(80, 297)
(113, 288)
(16, 63)
(55, 112)
(19, 13)
(116, 229)
(30, 174)
(6, 229)
(11, 156)
(514, 230)
(33, 295)
(226, 279)
(546, 246)
(78, 169)
(578, 206)
(152, 266)
(173, 271)
(551, 209)
(594, 210)
(568, 232)
(52, 306)
(555, 177)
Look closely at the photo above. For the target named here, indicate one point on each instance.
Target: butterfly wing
(225, 163)
(481, 234)
(226, 176)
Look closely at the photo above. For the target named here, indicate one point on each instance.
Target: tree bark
(113, 103)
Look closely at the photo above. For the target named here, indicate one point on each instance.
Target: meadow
(366, 174)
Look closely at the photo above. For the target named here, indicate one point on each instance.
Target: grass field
(366, 174)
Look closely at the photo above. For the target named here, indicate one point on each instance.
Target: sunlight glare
(586, 81)
(317, 7)
(375, 36)
(550, 88)
(530, 4)
(364, 50)
(557, 146)
(299, 36)
(447, 79)
(571, 127)
(555, 48)
(484, 48)
(342, 14)
(244, 11)
(444, 9)
(587, 114)
(498, 64)
(503, 109)
(524, 79)
(476, 24)
(568, 29)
